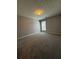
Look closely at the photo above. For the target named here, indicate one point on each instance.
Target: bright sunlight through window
(43, 24)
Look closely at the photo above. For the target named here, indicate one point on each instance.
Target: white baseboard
(55, 33)
(36, 33)
(27, 35)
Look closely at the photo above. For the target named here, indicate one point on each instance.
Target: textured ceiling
(26, 8)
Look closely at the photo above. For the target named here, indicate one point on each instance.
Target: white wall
(26, 26)
(53, 25)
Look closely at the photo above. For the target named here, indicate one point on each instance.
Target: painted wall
(26, 26)
(53, 25)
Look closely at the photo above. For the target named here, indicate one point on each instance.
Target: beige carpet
(39, 46)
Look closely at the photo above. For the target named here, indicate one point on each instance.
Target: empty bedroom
(38, 29)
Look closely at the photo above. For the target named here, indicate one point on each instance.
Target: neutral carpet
(39, 46)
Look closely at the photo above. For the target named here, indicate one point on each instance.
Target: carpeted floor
(39, 46)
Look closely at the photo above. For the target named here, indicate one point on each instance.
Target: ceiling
(50, 7)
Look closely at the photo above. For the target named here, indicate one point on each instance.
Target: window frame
(40, 21)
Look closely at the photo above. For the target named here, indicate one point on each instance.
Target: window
(43, 25)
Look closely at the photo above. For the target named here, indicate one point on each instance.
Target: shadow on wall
(53, 25)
